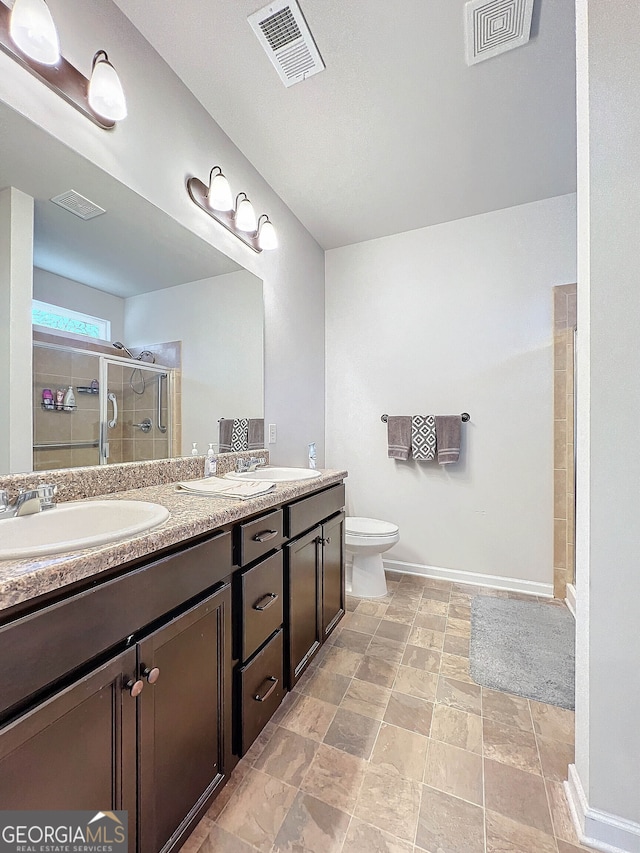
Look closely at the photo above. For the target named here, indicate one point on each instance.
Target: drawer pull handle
(265, 535)
(273, 681)
(269, 599)
(135, 687)
(152, 675)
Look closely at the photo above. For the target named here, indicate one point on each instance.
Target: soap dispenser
(312, 455)
(194, 449)
(211, 462)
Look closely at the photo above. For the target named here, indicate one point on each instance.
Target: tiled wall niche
(564, 323)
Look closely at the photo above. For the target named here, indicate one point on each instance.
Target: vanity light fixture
(239, 217)
(28, 35)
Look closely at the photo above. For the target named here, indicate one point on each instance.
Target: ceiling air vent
(283, 33)
(78, 205)
(495, 26)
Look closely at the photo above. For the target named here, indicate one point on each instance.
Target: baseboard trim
(472, 578)
(570, 599)
(600, 830)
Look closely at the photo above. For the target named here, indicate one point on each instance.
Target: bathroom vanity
(134, 676)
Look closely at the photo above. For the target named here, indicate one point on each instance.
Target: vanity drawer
(261, 691)
(258, 537)
(261, 603)
(307, 512)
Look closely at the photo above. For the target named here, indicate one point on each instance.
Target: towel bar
(464, 417)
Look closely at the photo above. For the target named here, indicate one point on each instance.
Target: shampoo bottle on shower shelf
(47, 398)
(59, 399)
(69, 401)
(211, 462)
(312, 455)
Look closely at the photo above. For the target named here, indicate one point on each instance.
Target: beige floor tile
(309, 717)
(507, 836)
(238, 775)
(458, 597)
(389, 802)
(459, 728)
(459, 627)
(257, 810)
(555, 758)
(426, 638)
(431, 621)
(407, 598)
(409, 713)
(353, 733)
(367, 699)
(507, 709)
(389, 650)
(433, 607)
(351, 603)
(434, 594)
(198, 836)
(326, 685)
(311, 825)
(455, 666)
(455, 645)
(221, 841)
(353, 640)
(339, 660)
(459, 694)
(552, 722)
(416, 682)
(290, 699)
(364, 838)
(400, 752)
(512, 746)
(393, 630)
(287, 756)
(397, 613)
(449, 824)
(560, 814)
(376, 671)
(517, 795)
(459, 610)
(260, 743)
(372, 608)
(335, 777)
(365, 624)
(454, 771)
(428, 659)
(565, 847)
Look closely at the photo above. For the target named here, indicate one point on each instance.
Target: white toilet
(367, 539)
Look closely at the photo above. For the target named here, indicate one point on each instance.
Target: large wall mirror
(163, 291)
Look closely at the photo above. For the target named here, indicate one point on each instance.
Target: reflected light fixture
(105, 94)
(28, 35)
(33, 32)
(216, 199)
(219, 195)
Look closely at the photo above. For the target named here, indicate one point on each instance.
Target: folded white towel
(219, 488)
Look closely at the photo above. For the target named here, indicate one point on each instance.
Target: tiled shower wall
(564, 323)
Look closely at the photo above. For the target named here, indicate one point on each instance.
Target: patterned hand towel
(399, 436)
(240, 435)
(225, 432)
(256, 434)
(448, 434)
(423, 437)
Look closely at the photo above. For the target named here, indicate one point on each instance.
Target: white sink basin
(275, 474)
(75, 525)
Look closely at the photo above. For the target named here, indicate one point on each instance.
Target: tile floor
(386, 745)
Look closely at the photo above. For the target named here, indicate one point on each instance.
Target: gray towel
(240, 435)
(256, 434)
(399, 436)
(423, 437)
(448, 434)
(225, 432)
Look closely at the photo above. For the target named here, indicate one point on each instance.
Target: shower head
(120, 345)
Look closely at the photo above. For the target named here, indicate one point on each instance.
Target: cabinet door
(185, 718)
(76, 750)
(332, 573)
(303, 596)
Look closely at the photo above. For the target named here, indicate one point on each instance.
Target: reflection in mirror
(159, 286)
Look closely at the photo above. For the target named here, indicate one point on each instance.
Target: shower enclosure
(122, 412)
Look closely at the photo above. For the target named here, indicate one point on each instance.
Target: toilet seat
(358, 526)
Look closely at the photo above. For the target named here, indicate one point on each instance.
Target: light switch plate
(273, 434)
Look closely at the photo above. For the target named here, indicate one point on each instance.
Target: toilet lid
(370, 527)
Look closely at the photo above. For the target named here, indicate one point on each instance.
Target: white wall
(66, 293)
(452, 318)
(220, 323)
(166, 137)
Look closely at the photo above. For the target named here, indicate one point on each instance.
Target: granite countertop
(191, 515)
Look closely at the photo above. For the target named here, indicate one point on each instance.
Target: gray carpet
(524, 647)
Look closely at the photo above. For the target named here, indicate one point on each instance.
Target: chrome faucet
(28, 502)
(243, 465)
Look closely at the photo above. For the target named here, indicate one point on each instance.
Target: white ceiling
(397, 133)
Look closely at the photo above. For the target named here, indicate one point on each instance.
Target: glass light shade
(267, 238)
(106, 96)
(33, 32)
(219, 195)
(246, 216)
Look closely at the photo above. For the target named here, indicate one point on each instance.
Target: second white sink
(275, 474)
(75, 525)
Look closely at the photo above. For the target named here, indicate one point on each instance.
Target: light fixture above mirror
(28, 34)
(240, 217)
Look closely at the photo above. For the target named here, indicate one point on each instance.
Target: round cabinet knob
(152, 675)
(135, 687)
